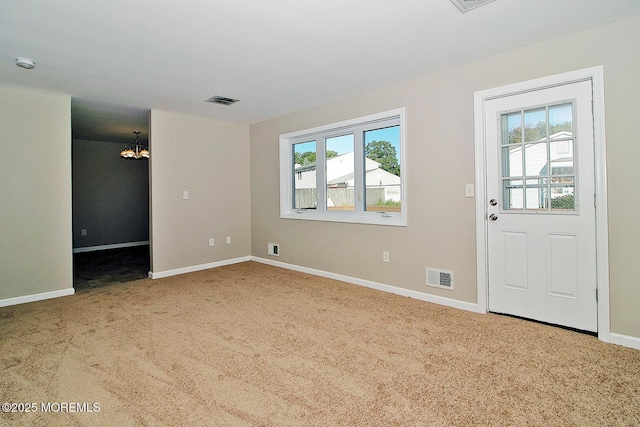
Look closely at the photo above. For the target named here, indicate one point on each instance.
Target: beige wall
(440, 153)
(210, 159)
(35, 193)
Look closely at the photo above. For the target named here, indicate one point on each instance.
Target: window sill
(377, 218)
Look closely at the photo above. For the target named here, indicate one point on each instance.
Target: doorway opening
(110, 194)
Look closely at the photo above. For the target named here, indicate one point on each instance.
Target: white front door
(541, 229)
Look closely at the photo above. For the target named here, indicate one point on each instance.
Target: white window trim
(367, 217)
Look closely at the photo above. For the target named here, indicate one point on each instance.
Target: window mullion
(321, 173)
(359, 170)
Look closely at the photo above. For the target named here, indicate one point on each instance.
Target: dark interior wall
(110, 195)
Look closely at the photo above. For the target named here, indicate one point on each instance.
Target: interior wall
(210, 160)
(110, 195)
(440, 152)
(35, 189)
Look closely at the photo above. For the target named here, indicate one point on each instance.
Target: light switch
(468, 190)
(185, 195)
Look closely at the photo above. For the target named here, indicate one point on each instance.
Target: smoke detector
(466, 5)
(25, 63)
(222, 100)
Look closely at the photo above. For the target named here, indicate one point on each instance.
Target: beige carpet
(255, 345)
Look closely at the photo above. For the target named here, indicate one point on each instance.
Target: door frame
(595, 74)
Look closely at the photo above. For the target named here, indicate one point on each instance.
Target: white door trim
(595, 74)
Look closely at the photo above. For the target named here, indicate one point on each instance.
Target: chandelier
(135, 151)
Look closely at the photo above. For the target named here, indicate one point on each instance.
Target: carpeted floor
(254, 345)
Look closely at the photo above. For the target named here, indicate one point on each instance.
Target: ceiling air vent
(465, 5)
(222, 100)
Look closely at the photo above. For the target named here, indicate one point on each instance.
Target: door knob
(493, 217)
(493, 202)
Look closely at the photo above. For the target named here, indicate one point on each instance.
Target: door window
(538, 157)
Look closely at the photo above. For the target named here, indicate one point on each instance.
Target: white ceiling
(276, 56)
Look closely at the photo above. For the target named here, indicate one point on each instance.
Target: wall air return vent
(440, 278)
(222, 100)
(466, 5)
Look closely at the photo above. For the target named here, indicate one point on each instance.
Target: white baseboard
(625, 340)
(191, 269)
(36, 297)
(449, 302)
(113, 246)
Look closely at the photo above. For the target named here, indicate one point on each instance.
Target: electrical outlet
(228, 240)
(385, 256)
(211, 242)
(84, 231)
